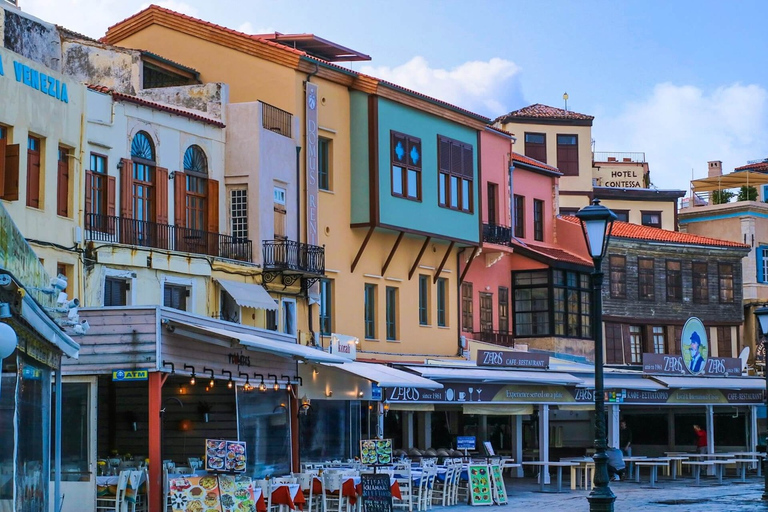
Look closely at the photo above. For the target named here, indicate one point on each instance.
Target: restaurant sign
(129, 375)
(668, 364)
(511, 359)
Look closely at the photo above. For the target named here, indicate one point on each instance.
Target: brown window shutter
(2, 167)
(456, 160)
(126, 189)
(161, 195)
(62, 188)
(11, 185)
(444, 155)
(89, 194)
(213, 206)
(111, 186)
(33, 179)
(179, 199)
(467, 162)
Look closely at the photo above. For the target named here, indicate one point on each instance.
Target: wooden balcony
(504, 339)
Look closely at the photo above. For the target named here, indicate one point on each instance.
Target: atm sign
(123, 375)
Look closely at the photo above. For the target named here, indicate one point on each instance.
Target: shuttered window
(725, 278)
(503, 309)
(568, 154)
(519, 220)
(280, 213)
(614, 345)
(175, 296)
(467, 313)
(700, 282)
(538, 220)
(674, 281)
(442, 302)
(324, 164)
(326, 307)
(536, 146)
(456, 174)
(115, 291)
(99, 196)
(645, 288)
(370, 311)
(62, 183)
(34, 148)
(486, 312)
(724, 347)
(618, 276)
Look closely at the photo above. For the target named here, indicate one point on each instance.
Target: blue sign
(465, 442)
(375, 392)
(126, 375)
(41, 82)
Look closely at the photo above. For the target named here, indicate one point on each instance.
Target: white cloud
(682, 128)
(478, 86)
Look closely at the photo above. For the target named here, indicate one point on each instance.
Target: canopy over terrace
(732, 180)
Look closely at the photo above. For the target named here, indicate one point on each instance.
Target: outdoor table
(654, 465)
(581, 471)
(631, 461)
(288, 494)
(720, 467)
(544, 464)
(753, 455)
(741, 467)
(697, 465)
(258, 496)
(676, 461)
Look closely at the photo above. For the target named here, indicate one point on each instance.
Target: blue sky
(683, 81)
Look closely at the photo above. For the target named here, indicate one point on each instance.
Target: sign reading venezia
(40, 81)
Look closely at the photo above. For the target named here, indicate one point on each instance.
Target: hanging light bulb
(229, 384)
(192, 380)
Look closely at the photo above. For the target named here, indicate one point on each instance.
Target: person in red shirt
(701, 439)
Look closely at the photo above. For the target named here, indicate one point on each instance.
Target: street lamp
(762, 319)
(597, 222)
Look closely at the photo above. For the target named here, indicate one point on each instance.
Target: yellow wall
(667, 209)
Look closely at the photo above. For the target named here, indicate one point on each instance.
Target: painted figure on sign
(697, 361)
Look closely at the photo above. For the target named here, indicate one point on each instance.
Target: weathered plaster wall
(119, 70)
(205, 98)
(31, 37)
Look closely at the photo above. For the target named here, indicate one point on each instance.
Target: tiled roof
(157, 106)
(261, 40)
(760, 166)
(517, 157)
(638, 232)
(544, 112)
(552, 253)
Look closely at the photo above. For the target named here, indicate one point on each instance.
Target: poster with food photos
(237, 493)
(194, 494)
(499, 491)
(225, 456)
(376, 451)
(479, 485)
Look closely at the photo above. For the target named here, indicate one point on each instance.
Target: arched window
(196, 172)
(143, 157)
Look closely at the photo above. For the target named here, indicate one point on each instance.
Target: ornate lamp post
(597, 223)
(762, 319)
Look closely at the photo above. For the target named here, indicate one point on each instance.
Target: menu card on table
(222, 455)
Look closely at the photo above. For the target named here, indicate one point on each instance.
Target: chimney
(715, 168)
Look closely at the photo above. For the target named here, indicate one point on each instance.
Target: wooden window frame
(726, 281)
(724, 341)
(325, 308)
(503, 309)
(391, 313)
(538, 220)
(565, 165)
(63, 175)
(636, 349)
(645, 280)
(467, 309)
(455, 161)
(536, 149)
(238, 205)
(369, 310)
(659, 332)
(405, 167)
(622, 215)
(423, 299)
(123, 283)
(324, 162)
(442, 302)
(617, 270)
(9, 166)
(700, 282)
(643, 213)
(34, 175)
(518, 222)
(486, 311)
(675, 287)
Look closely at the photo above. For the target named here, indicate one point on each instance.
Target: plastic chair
(114, 503)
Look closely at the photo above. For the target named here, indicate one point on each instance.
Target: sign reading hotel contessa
(510, 359)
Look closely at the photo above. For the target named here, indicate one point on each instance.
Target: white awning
(248, 295)
(282, 348)
(711, 382)
(622, 382)
(413, 407)
(501, 376)
(492, 409)
(385, 376)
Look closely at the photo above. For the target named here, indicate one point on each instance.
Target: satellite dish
(744, 355)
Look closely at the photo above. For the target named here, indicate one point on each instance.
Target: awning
(385, 376)
(283, 348)
(622, 382)
(711, 382)
(498, 409)
(731, 180)
(248, 295)
(502, 376)
(412, 407)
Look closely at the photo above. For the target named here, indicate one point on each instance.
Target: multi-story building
(563, 139)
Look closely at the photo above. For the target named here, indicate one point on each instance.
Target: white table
(630, 463)
(654, 465)
(697, 465)
(544, 464)
(581, 471)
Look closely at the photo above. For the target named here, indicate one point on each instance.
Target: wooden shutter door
(33, 179)
(11, 182)
(62, 188)
(180, 210)
(109, 220)
(212, 217)
(161, 227)
(126, 189)
(89, 220)
(2, 167)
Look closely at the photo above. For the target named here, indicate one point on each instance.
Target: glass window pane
(441, 185)
(329, 430)
(413, 184)
(397, 180)
(454, 192)
(264, 426)
(465, 201)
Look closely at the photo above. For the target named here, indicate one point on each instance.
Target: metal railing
(140, 233)
(505, 339)
(618, 156)
(290, 255)
(495, 234)
(276, 120)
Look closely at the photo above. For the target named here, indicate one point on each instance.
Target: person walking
(701, 439)
(625, 439)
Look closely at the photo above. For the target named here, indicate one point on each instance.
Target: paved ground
(674, 496)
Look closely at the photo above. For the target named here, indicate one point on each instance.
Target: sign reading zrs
(122, 375)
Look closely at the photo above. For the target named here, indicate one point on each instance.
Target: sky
(685, 82)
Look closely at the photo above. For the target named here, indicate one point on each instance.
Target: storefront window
(7, 407)
(264, 426)
(330, 430)
(75, 431)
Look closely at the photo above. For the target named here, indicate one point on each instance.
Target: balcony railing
(618, 156)
(505, 339)
(106, 228)
(281, 255)
(495, 234)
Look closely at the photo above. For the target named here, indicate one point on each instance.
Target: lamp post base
(601, 503)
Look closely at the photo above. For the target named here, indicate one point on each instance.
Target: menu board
(479, 485)
(225, 456)
(465, 442)
(236, 493)
(376, 451)
(377, 493)
(194, 493)
(499, 492)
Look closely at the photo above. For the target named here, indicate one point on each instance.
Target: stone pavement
(672, 495)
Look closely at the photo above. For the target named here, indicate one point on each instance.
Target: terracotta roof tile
(157, 106)
(517, 157)
(759, 166)
(544, 112)
(553, 253)
(638, 232)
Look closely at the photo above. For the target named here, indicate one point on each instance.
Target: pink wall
(571, 236)
(532, 185)
(494, 162)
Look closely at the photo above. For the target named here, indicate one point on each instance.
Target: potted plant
(204, 408)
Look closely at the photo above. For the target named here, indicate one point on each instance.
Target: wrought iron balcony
(495, 234)
(106, 228)
(282, 255)
(503, 338)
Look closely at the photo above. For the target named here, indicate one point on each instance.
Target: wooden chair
(114, 503)
(442, 489)
(334, 501)
(402, 472)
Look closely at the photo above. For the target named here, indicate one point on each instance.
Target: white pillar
(544, 439)
(426, 425)
(710, 435)
(407, 430)
(613, 426)
(517, 444)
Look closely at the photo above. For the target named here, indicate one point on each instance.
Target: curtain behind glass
(330, 430)
(264, 426)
